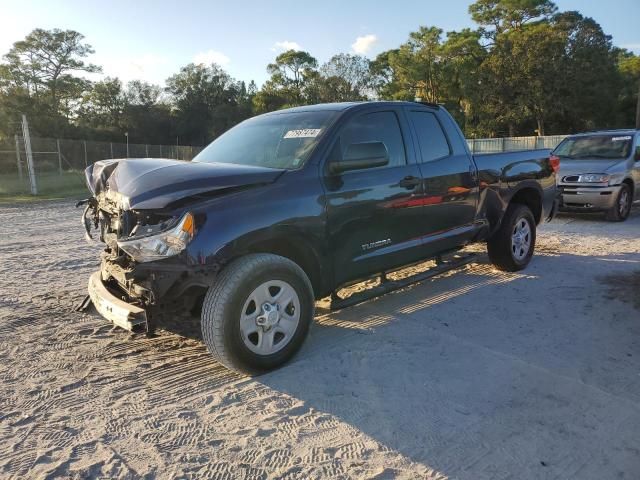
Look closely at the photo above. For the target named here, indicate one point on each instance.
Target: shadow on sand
(480, 373)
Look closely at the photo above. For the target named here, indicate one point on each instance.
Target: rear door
(449, 180)
(372, 222)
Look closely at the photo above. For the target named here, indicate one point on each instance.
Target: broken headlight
(161, 245)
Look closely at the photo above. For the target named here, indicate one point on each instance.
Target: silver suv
(600, 171)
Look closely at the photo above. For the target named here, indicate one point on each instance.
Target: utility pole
(27, 147)
(59, 156)
(126, 134)
(18, 158)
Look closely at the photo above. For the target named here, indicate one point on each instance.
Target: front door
(372, 223)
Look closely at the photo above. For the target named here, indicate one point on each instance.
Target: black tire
(501, 247)
(620, 212)
(224, 301)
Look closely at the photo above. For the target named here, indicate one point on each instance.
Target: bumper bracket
(125, 315)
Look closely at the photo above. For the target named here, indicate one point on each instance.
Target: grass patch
(68, 184)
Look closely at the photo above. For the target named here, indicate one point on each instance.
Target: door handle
(410, 182)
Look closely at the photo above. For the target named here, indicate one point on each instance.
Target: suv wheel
(257, 314)
(511, 247)
(620, 211)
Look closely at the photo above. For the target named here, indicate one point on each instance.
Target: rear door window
(431, 138)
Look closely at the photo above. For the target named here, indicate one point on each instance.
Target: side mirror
(637, 155)
(361, 155)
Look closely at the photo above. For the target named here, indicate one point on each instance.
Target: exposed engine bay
(104, 221)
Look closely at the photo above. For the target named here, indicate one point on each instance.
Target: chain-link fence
(58, 164)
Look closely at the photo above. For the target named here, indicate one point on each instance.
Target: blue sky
(151, 40)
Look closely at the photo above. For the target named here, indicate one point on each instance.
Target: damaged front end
(132, 274)
(143, 212)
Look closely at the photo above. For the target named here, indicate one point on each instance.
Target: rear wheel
(620, 211)
(257, 314)
(511, 247)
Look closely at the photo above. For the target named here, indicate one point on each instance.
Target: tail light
(554, 161)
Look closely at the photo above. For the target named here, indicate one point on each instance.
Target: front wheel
(257, 314)
(511, 247)
(622, 208)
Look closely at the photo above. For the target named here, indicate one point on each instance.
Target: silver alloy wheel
(623, 202)
(270, 317)
(521, 239)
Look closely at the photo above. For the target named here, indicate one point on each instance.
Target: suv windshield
(595, 146)
(283, 140)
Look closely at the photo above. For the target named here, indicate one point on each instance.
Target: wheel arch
(628, 181)
(530, 196)
(299, 251)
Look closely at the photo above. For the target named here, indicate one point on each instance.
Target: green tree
(514, 83)
(417, 66)
(462, 56)
(102, 107)
(322, 89)
(629, 70)
(383, 75)
(521, 78)
(500, 16)
(142, 93)
(205, 102)
(290, 74)
(44, 62)
(589, 79)
(433, 70)
(291, 70)
(147, 117)
(352, 70)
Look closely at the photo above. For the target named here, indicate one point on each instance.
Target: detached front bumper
(588, 198)
(125, 315)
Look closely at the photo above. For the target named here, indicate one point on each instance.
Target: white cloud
(363, 44)
(148, 67)
(211, 56)
(285, 45)
(12, 30)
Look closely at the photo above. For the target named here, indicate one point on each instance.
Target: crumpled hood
(577, 167)
(149, 183)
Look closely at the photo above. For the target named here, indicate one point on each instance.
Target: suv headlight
(161, 245)
(594, 178)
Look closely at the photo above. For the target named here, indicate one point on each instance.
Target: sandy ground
(475, 374)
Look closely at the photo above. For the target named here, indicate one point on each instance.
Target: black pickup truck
(286, 207)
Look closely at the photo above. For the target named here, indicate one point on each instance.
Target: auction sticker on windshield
(619, 139)
(305, 133)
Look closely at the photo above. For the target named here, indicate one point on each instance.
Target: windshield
(283, 140)
(595, 146)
